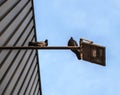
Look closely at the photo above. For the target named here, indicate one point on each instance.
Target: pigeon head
(46, 41)
(71, 38)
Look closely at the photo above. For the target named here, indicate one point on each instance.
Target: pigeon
(40, 44)
(72, 42)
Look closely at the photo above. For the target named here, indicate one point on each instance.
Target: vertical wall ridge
(19, 69)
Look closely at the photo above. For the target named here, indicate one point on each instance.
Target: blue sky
(61, 72)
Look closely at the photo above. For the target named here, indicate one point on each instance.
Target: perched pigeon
(72, 42)
(40, 44)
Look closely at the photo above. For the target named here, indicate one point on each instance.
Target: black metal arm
(37, 47)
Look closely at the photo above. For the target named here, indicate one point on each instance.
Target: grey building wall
(19, 69)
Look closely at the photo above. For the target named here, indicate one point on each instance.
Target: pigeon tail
(77, 53)
(33, 44)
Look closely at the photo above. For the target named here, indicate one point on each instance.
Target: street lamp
(87, 50)
(92, 52)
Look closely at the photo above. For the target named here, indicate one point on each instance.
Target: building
(19, 69)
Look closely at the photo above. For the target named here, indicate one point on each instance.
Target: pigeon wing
(72, 42)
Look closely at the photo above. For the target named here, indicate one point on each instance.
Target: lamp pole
(38, 47)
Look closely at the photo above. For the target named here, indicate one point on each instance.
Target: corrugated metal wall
(19, 69)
